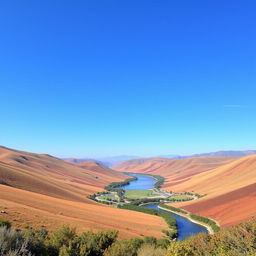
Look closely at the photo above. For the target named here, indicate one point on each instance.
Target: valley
(228, 184)
(42, 191)
(39, 190)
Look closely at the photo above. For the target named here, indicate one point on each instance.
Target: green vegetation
(178, 198)
(145, 201)
(115, 186)
(160, 180)
(140, 193)
(171, 222)
(205, 220)
(66, 242)
(5, 223)
(199, 218)
(238, 240)
(108, 197)
(168, 207)
(192, 194)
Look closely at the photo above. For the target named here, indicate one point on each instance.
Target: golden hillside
(43, 191)
(230, 184)
(174, 170)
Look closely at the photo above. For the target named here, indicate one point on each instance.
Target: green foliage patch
(238, 240)
(171, 222)
(140, 193)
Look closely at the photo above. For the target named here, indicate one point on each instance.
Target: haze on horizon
(146, 78)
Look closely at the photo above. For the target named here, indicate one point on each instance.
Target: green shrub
(5, 223)
(124, 248)
(151, 250)
(239, 240)
(207, 221)
(13, 243)
(168, 207)
(170, 220)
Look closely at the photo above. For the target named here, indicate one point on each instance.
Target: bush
(5, 223)
(168, 207)
(239, 240)
(95, 244)
(207, 221)
(170, 220)
(13, 243)
(151, 250)
(124, 248)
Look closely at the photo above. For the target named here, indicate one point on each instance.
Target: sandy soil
(230, 184)
(45, 192)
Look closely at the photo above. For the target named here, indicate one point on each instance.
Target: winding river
(186, 228)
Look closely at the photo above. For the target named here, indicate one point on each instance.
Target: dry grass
(43, 191)
(230, 184)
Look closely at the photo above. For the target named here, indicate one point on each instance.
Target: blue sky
(100, 78)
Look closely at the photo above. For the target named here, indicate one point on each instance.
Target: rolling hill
(230, 184)
(43, 191)
(175, 171)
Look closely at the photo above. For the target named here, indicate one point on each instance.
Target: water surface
(143, 182)
(186, 228)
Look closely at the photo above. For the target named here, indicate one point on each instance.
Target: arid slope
(43, 191)
(230, 184)
(230, 189)
(174, 170)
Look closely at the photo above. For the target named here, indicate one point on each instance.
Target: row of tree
(171, 222)
(215, 227)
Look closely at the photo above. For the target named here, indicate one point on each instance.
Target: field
(140, 193)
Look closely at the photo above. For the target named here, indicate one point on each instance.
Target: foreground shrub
(124, 248)
(13, 243)
(236, 241)
(150, 250)
(95, 244)
(36, 241)
(5, 223)
(169, 219)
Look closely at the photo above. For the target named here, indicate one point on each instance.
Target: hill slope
(230, 189)
(41, 190)
(230, 184)
(174, 170)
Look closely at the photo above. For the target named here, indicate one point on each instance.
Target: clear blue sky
(138, 77)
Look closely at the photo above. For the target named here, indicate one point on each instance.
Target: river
(186, 228)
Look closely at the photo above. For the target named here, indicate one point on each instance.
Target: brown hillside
(230, 189)
(174, 170)
(43, 191)
(228, 182)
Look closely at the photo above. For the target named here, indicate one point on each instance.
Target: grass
(140, 193)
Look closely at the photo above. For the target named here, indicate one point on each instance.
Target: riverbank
(179, 227)
(208, 227)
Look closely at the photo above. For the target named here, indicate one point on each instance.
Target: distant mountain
(107, 161)
(83, 160)
(227, 153)
(114, 160)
